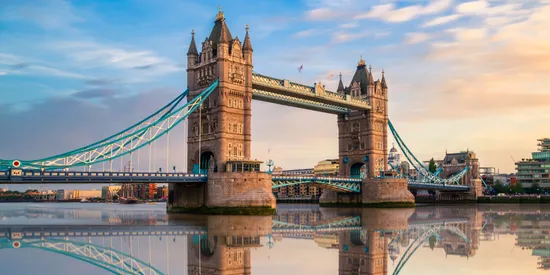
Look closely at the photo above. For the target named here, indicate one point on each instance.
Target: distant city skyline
(461, 75)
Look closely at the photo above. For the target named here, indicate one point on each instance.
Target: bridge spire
(192, 46)
(384, 85)
(341, 88)
(247, 46)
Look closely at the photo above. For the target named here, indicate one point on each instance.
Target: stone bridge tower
(221, 129)
(362, 135)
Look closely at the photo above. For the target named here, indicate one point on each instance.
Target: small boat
(127, 201)
(84, 200)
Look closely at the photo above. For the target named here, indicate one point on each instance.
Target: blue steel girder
(317, 93)
(107, 258)
(127, 141)
(426, 233)
(339, 184)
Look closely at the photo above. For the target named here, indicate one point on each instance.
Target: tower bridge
(221, 173)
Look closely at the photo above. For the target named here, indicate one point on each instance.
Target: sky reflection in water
(301, 239)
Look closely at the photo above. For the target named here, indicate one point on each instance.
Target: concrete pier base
(333, 198)
(233, 193)
(185, 198)
(390, 192)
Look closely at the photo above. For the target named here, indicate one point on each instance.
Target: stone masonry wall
(185, 196)
(386, 190)
(239, 190)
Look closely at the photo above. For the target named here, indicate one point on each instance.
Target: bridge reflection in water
(364, 241)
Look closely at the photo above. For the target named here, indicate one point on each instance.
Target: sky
(461, 74)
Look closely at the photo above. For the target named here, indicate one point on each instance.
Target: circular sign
(16, 163)
(16, 244)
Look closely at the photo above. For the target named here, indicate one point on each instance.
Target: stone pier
(375, 192)
(242, 193)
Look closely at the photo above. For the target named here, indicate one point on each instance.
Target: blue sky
(461, 75)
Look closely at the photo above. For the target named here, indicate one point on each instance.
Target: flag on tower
(301, 67)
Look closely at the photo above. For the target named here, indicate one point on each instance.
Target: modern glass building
(537, 168)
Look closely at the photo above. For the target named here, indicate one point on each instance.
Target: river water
(79, 238)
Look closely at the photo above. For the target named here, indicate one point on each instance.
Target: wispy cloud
(417, 37)
(390, 12)
(442, 20)
(48, 14)
(93, 55)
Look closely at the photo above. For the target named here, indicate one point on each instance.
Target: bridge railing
(102, 174)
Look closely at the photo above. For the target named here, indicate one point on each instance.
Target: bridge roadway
(60, 231)
(16, 232)
(353, 185)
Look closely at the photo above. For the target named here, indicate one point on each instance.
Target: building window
(240, 150)
(355, 127)
(229, 147)
(235, 127)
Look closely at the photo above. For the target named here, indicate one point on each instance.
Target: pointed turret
(223, 33)
(220, 32)
(384, 85)
(341, 88)
(192, 47)
(247, 46)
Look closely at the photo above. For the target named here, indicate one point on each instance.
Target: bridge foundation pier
(392, 192)
(330, 197)
(377, 192)
(241, 193)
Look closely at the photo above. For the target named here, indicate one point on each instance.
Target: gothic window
(355, 127)
(230, 103)
(356, 146)
(350, 147)
(362, 146)
(240, 150)
(229, 149)
(235, 150)
(235, 128)
(240, 129)
(229, 127)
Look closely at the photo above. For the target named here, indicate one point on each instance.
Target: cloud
(349, 25)
(48, 14)
(95, 93)
(441, 20)
(473, 7)
(321, 14)
(486, 73)
(389, 12)
(417, 37)
(342, 36)
(101, 81)
(91, 54)
(307, 33)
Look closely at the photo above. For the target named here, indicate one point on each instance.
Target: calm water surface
(301, 239)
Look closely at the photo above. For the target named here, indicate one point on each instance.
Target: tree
(500, 188)
(535, 188)
(518, 188)
(432, 167)
(432, 241)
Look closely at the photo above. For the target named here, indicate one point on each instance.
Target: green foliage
(500, 188)
(518, 188)
(433, 241)
(432, 167)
